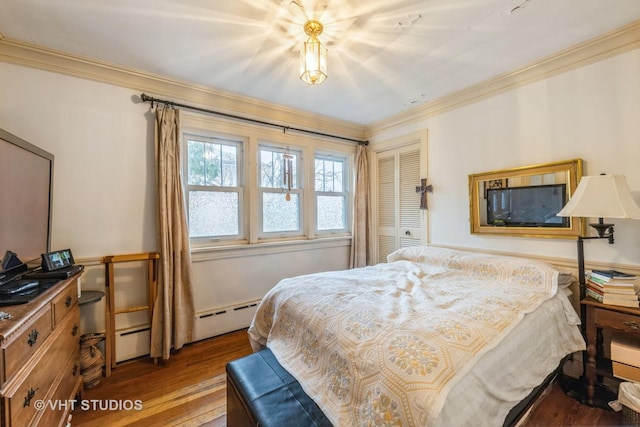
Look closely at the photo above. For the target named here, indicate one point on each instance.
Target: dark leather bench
(260, 392)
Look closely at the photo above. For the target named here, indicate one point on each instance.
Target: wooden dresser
(39, 358)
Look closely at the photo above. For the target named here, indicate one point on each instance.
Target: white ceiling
(385, 56)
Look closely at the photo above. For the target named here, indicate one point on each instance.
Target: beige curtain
(173, 312)
(360, 250)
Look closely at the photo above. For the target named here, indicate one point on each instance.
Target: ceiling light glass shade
(313, 55)
(602, 196)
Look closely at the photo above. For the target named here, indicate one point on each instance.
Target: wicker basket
(91, 362)
(629, 398)
(91, 359)
(92, 376)
(630, 417)
(90, 356)
(87, 340)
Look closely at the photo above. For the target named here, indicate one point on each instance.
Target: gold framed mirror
(524, 201)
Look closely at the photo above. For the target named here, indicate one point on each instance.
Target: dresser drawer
(617, 321)
(68, 382)
(20, 396)
(63, 303)
(69, 377)
(19, 350)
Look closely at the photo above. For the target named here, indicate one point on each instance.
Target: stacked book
(613, 287)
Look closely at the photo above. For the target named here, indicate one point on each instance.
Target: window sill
(205, 253)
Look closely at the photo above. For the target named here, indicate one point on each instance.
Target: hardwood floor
(557, 409)
(187, 390)
(190, 390)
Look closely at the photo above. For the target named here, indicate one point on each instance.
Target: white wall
(103, 174)
(104, 185)
(104, 199)
(591, 113)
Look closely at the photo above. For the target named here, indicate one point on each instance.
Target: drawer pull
(74, 331)
(33, 337)
(27, 399)
(68, 301)
(633, 325)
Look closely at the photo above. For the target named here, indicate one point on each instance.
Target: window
(331, 184)
(280, 192)
(213, 189)
(237, 188)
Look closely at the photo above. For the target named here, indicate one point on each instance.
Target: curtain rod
(152, 100)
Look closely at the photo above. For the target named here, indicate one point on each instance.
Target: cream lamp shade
(602, 196)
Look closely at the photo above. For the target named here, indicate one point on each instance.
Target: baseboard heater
(220, 320)
(132, 342)
(123, 334)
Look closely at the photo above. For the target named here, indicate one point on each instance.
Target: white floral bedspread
(383, 345)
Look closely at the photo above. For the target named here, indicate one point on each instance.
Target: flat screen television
(26, 185)
(532, 206)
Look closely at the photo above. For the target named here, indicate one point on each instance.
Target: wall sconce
(599, 197)
(596, 197)
(313, 56)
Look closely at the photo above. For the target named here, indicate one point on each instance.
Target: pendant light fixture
(313, 55)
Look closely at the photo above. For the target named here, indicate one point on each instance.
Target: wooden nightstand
(598, 317)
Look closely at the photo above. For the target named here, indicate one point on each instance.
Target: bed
(433, 337)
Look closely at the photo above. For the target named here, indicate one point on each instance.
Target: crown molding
(608, 45)
(605, 46)
(34, 56)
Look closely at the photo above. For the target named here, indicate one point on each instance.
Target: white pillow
(565, 280)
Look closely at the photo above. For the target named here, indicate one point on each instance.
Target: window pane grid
(212, 164)
(279, 215)
(329, 175)
(214, 198)
(272, 169)
(229, 166)
(331, 199)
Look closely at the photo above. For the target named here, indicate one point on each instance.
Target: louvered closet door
(398, 210)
